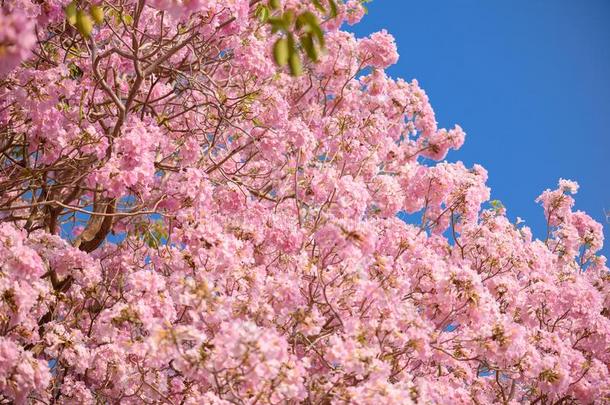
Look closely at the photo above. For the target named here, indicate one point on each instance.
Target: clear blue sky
(528, 80)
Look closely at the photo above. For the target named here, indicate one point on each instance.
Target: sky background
(529, 82)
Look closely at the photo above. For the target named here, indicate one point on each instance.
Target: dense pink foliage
(181, 222)
(16, 39)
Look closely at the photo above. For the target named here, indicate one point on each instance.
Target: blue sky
(528, 80)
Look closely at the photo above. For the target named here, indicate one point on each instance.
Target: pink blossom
(17, 39)
(379, 50)
(183, 222)
(355, 11)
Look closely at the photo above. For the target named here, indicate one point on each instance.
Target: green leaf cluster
(83, 20)
(153, 233)
(301, 34)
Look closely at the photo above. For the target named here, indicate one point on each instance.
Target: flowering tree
(198, 205)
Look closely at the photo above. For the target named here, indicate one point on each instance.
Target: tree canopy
(200, 201)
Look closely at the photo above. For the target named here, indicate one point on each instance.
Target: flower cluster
(183, 222)
(17, 39)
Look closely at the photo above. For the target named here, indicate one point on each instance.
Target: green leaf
(333, 8)
(309, 47)
(115, 14)
(127, 19)
(84, 24)
(274, 4)
(497, 206)
(288, 17)
(278, 24)
(97, 13)
(292, 45)
(309, 22)
(262, 12)
(317, 31)
(318, 5)
(294, 62)
(308, 17)
(71, 13)
(281, 51)
(75, 71)
(363, 2)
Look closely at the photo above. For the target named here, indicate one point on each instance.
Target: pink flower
(355, 11)
(181, 222)
(20, 374)
(378, 50)
(17, 39)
